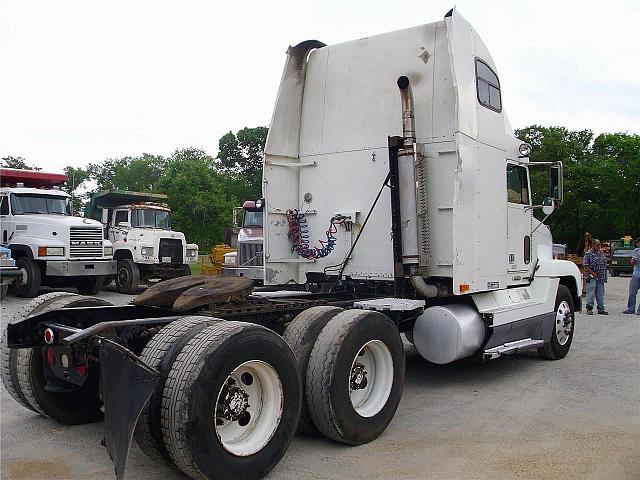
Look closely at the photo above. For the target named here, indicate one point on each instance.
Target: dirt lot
(518, 417)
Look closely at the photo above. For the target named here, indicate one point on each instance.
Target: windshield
(252, 218)
(623, 253)
(22, 204)
(149, 218)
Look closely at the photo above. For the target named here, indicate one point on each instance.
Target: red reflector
(48, 336)
(82, 370)
(51, 357)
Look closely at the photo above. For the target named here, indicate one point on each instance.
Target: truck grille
(170, 248)
(85, 242)
(249, 254)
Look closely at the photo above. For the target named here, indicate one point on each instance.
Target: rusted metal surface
(188, 293)
(227, 290)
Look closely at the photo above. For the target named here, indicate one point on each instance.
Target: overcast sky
(81, 81)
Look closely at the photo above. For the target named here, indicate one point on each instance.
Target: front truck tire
(127, 276)
(301, 335)
(160, 353)
(23, 370)
(355, 376)
(90, 285)
(564, 323)
(29, 285)
(231, 402)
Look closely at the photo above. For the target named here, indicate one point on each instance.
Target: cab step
(512, 347)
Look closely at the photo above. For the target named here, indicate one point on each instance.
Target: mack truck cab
(145, 247)
(247, 261)
(49, 245)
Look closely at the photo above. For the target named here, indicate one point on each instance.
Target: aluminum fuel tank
(443, 334)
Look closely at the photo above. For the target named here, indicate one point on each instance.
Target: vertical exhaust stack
(407, 179)
(408, 194)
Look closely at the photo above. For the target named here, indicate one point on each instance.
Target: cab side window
(488, 87)
(121, 216)
(517, 184)
(4, 205)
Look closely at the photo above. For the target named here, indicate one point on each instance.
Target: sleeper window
(488, 87)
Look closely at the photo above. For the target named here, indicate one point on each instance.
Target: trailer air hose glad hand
(299, 235)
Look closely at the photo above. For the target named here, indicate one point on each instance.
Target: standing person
(634, 284)
(595, 274)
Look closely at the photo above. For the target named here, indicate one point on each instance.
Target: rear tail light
(48, 336)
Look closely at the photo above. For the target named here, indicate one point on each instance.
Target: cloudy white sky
(81, 81)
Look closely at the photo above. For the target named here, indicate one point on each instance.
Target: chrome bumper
(81, 268)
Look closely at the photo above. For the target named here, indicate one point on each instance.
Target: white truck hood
(55, 220)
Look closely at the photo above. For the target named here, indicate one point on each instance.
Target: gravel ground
(518, 417)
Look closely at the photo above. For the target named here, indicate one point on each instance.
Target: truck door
(6, 226)
(118, 217)
(519, 218)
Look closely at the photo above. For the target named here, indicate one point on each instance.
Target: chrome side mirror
(548, 206)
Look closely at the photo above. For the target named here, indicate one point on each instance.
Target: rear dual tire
(301, 335)
(355, 376)
(24, 377)
(229, 401)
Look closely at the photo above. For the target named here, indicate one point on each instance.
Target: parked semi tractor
(145, 246)
(247, 260)
(50, 246)
(396, 199)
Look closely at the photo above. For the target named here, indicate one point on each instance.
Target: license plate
(166, 259)
(614, 262)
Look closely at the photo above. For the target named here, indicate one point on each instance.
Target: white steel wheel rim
(564, 325)
(371, 378)
(262, 409)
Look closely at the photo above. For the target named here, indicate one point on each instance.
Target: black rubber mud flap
(127, 384)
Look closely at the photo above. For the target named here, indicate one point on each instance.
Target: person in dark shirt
(595, 274)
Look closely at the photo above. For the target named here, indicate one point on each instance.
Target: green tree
(198, 196)
(135, 174)
(76, 177)
(240, 157)
(17, 162)
(600, 182)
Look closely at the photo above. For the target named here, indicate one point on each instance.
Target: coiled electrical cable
(299, 235)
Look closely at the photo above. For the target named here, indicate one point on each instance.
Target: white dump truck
(396, 200)
(49, 245)
(145, 247)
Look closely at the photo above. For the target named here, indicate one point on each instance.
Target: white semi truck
(145, 247)
(49, 245)
(395, 153)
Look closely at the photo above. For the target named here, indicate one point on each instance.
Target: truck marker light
(64, 359)
(51, 357)
(48, 336)
(464, 287)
